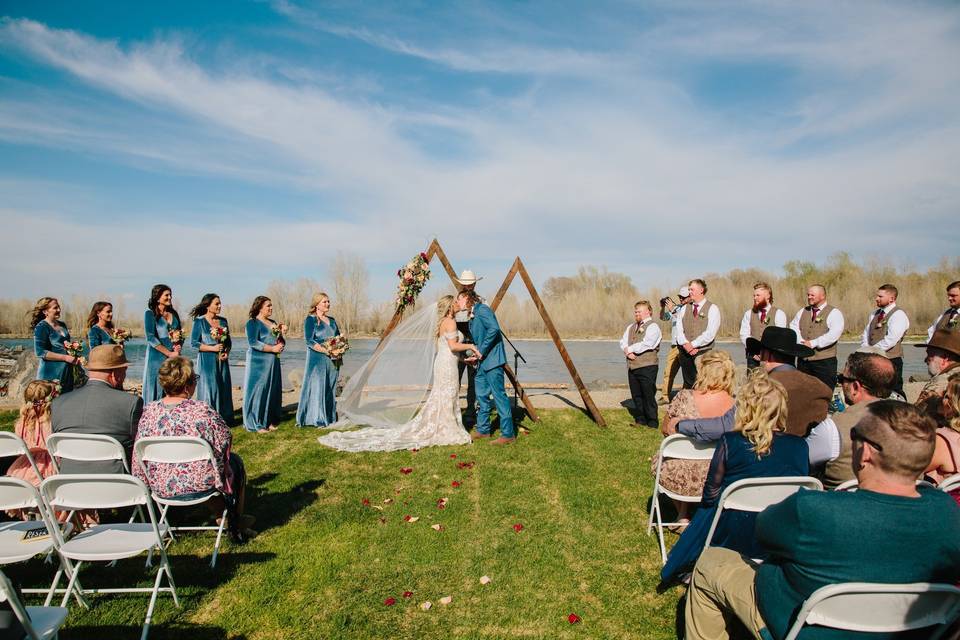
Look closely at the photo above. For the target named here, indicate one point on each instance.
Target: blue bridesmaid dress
(262, 393)
(98, 336)
(157, 332)
(46, 338)
(318, 404)
(214, 386)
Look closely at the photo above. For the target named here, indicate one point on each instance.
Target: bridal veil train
(406, 396)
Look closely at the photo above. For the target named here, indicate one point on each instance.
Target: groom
(492, 358)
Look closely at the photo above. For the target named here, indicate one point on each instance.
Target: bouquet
(336, 347)
(279, 330)
(413, 277)
(220, 335)
(176, 337)
(75, 349)
(120, 336)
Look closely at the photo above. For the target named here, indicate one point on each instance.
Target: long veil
(390, 387)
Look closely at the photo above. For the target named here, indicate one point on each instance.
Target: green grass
(324, 563)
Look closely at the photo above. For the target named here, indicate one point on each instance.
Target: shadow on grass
(276, 509)
(157, 632)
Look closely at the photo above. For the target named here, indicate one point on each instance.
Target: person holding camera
(670, 312)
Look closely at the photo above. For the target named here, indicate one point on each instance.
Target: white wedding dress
(438, 421)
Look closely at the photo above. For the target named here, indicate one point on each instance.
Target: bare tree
(350, 278)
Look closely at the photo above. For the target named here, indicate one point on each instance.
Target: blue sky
(220, 145)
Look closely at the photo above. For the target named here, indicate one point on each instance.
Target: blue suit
(489, 382)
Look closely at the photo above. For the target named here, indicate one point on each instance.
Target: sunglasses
(842, 378)
(856, 435)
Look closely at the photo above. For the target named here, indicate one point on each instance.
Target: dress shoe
(476, 435)
(502, 440)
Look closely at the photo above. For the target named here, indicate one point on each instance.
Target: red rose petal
(453, 456)
(406, 470)
(407, 518)
(390, 602)
(365, 502)
(408, 594)
(573, 618)
(518, 527)
(455, 484)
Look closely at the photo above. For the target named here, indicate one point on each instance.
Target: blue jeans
(490, 383)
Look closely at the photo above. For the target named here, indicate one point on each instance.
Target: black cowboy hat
(782, 340)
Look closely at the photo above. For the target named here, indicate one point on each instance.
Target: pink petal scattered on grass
(485, 580)
(442, 503)
(446, 600)
(410, 519)
(437, 527)
(388, 501)
(426, 605)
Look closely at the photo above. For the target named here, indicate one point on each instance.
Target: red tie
(813, 313)
(763, 315)
(880, 316)
(695, 310)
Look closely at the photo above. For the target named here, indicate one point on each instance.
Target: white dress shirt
(779, 320)
(823, 442)
(834, 322)
(649, 341)
(935, 323)
(713, 325)
(895, 323)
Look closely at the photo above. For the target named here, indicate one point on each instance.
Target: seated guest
(866, 378)
(99, 407)
(175, 414)
(818, 538)
(946, 453)
(711, 396)
(33, 426)
(759, 447)
(943, 360)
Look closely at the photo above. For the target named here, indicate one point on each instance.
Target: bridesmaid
(100, 324)
(262, 393)
(318, 405)
(159, 320)
(49, 337)
(213, 366)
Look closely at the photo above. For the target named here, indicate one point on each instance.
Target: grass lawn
(324, 562)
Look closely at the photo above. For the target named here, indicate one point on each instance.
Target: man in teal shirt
(888, 531)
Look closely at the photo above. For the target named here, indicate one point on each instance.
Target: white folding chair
(20, 494)
(175, 450)
(109, 542)
(950, 483)
(880, 608)
(40, 623)
(675, 447)
(756, 494)
(852, 485)
(13, 445)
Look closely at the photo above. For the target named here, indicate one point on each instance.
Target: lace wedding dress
(438, 421)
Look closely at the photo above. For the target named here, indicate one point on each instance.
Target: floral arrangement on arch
(413, 278)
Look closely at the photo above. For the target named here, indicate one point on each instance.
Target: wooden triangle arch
(435, 250)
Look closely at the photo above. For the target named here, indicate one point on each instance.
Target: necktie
(763, 315)
(639, 324)
(881, 314)
(813, 313)
(696, 309)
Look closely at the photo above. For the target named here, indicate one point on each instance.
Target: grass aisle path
(325, 562)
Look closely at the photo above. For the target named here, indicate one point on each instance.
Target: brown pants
(670, 370)
(722, 587)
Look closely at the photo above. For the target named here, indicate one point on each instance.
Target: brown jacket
(808, 399)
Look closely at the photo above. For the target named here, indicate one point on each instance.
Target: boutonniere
(819, 320)
(766, 320)
(954, 320)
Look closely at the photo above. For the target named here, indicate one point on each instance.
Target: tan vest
(647, 358)
(876, 333)
(944, 322)
(757, 327)
(810, 330)
(694, 326)
(840, 469)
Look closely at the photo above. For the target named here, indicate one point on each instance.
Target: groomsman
(697, 328)
(468, 281)
(758, 318)
(949, 319)
(886, 328)
(641, 346)
(669, 312)
(819, 326)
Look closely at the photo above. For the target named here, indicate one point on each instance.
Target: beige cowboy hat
(107, 357)
(468, 278)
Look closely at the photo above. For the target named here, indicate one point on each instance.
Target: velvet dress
(46, 338)
(734, 459)
(262, 392)
(214, 386)
(157, 332)
(318, 404)
(98, 336)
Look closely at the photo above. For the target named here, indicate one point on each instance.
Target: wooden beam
(497, 299)
(512, 376)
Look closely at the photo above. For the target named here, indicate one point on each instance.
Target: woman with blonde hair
(318, 402)
(758, 447)
(946, 453)
(438, 421)
(50, 340)
(711, 397)
(33, 426)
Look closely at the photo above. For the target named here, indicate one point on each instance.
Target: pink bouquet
(413, 278)
(75, 349)
(121, 335)
(336, 347)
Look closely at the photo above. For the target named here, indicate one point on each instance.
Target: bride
(384, 394)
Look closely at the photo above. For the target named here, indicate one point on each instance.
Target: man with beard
(819, 326)
(943, 360)
(885, 329)
(758, 318)
(949, 319)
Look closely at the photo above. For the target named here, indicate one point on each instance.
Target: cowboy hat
(782, 340)
(107, 357)
(468, 278)
(945, 340)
